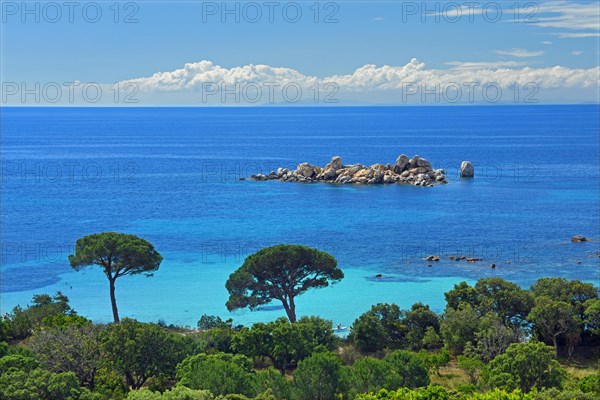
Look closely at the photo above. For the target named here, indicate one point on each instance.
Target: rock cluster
(414, 171)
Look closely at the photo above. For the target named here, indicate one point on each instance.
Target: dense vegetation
(495, 340)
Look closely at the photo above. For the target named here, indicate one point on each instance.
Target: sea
(174, 177)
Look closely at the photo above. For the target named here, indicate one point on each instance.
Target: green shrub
(319, 377)
(219, 373)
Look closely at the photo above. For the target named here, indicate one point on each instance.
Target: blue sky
(164, 36)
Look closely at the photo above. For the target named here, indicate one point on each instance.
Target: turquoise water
(172, 176)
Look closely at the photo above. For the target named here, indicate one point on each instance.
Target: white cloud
(547, 42)
(520, 53)
(577, 53)
(378, 19)
(570, 15)
(458, 65)
(370, 78)
(194, 75)
(570, 35)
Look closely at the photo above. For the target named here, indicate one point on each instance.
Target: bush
(590, 384)
(177, 393)
(21, 322)
(271, 380)
(408, 370)
(472, 367)
(524, 366)
(428, 393)
(368, 375)
(284, 343)
(142, 351)
(40, 385)
(379, 328)
(220, 373)
(319, 377)
(17, 362)
(71, 348)
(555, 394)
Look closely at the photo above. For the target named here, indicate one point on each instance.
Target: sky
(137, 53)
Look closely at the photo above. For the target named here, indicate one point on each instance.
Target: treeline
(505, 341)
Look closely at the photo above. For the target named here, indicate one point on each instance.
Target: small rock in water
(579, 239)
(493, 266)
(379, 276)
(467, 170)
(577, 262)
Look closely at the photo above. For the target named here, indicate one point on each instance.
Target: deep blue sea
(171, 176)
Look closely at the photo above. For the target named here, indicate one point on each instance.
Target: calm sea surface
(171, 175)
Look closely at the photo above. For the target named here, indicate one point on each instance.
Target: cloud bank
(206, 82)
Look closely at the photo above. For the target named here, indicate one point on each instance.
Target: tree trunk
(292, 310)
(113, 301)
(555, 343)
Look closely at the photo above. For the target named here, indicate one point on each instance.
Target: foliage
(72, 348)
(431, 339)
(524, 366)
(140, 351)
(435, 361)
(118, 254)
(368, 374)
(21, 322)
(439, 393)
(459, 326)
(69, 357)
(284, 343)
(271, 380)
(408, 370)
(556, 394)
(218, 373)
(41, 385)
(472, 367)
(463, 293)
(552, 319)
(319, 377)
(379, 328)
(418, 320)
(573, 292)
(590, 384)
(217, 339)
(282, 273)
(426, 393)
(65, 320)
(592, 316)
(492, 338)
(177, 393)
(18, 362)
(506, 299)
(207, 322)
